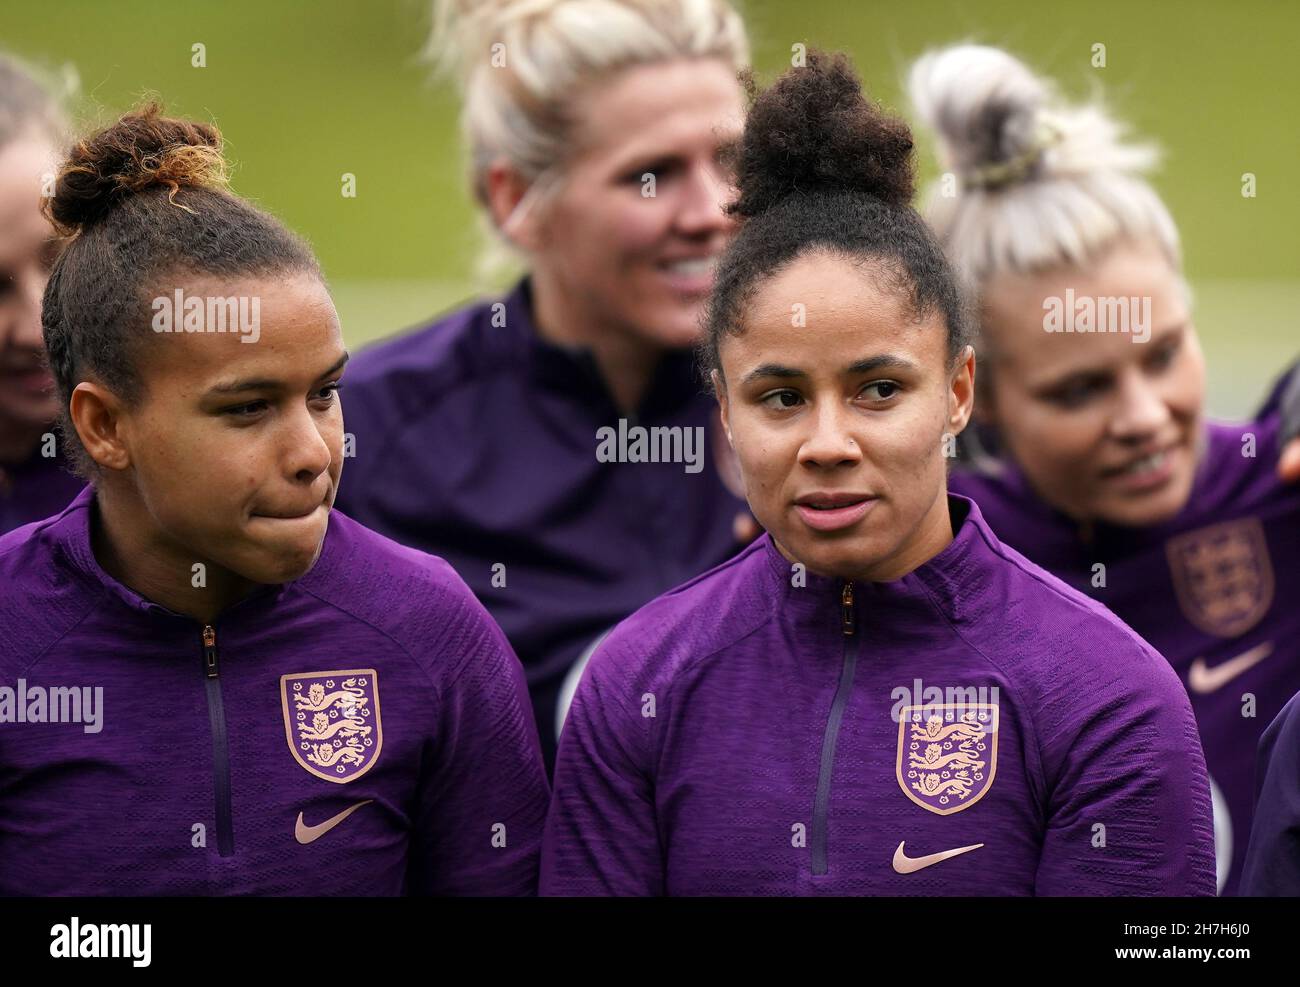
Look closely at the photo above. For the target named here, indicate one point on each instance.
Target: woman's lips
(837, 517)
(1146, 473)
(287, 515)
(690, 276)
(34, 380)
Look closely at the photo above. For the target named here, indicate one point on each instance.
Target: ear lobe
(96, 414)
(506, 191)
(962, 392)
(720, 393)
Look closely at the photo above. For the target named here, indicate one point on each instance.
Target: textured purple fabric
(35, 489)
(457, 773)
(1215, 585)
(477, 442)
(1272, 865)
(717, 792)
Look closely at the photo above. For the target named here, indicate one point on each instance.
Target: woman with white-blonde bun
(1095, 459)
(555, 444)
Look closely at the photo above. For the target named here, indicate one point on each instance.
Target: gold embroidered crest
(947, 754)
(1223, 576)
(332, 722)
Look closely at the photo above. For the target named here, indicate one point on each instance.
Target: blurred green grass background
(306, 91)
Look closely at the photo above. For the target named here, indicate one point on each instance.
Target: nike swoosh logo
(305, 834)
(904, 864)
(1203, 679)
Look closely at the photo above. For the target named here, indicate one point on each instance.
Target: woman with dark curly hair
(877, 697)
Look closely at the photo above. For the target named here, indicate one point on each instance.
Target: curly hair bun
(813, 130)
(143, 150)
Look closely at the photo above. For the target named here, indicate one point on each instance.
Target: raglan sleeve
(601, 834)
(483, 792)
(1272, 866)
(1127, 797)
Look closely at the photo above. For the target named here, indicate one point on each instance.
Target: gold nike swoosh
(1203, 679)
(305, 834)
(904, 864)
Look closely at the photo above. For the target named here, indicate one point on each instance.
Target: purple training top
(1272, 865)
(477, 440)
(363, 730)
(35, 489)
(1213, 590)
(974, 728)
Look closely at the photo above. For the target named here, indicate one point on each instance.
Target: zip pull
(210, 651)
(847, 620)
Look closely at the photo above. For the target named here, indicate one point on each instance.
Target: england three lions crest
(947, 754)
(331, 720)
(1222, 576)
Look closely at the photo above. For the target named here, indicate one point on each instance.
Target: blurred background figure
(33, 481)
(596, 132)
(1099, 463)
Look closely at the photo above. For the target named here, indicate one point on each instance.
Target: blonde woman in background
(33, 131)
(555, 445)
(1100, 464)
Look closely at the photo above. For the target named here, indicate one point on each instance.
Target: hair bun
(982, 103)
(999, 125)
(813, 130)
(141, 151)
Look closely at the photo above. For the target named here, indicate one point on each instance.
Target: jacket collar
(948, 585)
(573, 369)
(73, 541)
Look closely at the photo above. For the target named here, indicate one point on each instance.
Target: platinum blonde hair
(32, 101)
(520, 64)
(1038, 182)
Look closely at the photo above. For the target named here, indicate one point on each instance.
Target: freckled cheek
(906, 456)
(169, 447)
(762, 472)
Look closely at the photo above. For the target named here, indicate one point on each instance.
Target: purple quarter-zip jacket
(476, 440)
(363, 730)
(1214, 590)
(34, 489)
(762, 730)
(1272, 864)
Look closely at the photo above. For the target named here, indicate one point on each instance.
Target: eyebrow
(886, 361)
(266, 383)
(728, 141)
(1169, 331)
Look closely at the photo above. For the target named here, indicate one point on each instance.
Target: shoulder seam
(375, 627)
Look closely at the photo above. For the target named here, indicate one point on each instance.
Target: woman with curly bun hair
(1096, 459)
(877, 697)
(204, 669)
(555, 444)
(34, 480)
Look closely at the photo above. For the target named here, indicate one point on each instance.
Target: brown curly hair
(819, 166)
